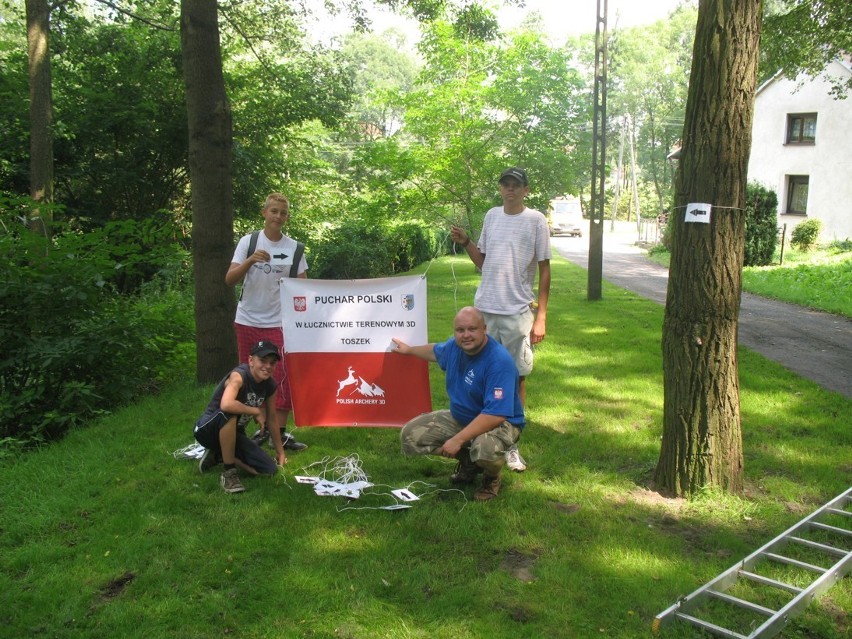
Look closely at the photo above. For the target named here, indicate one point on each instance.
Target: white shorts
(513, 332)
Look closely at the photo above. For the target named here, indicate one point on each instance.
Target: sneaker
(287, 440)
(514, 460)
(230, 481)
(208, 459)
(489, 488)
(466, 471)
(290, 442)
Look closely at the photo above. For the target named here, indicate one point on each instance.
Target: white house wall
(827, 162)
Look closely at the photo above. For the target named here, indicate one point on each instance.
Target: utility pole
(635, 183)
(598, 159)
(618, 174)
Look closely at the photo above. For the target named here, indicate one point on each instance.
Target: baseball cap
(262, 349)
(515, 172)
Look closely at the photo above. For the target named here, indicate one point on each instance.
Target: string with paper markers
(341, 470)
(345, 477)
(715, 206)
(699, 212)
(193, 451)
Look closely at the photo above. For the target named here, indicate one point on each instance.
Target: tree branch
(130, 14)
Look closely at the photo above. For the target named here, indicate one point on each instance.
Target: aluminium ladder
(835, 545)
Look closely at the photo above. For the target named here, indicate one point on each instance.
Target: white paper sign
(698, 212)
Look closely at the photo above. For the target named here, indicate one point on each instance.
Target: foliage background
(379, 145)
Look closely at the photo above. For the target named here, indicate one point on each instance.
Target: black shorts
(248, 452)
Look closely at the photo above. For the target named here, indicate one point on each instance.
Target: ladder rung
(719, 630)
(834, 529)
(840, 506)
(767, 581)
(818, 546)
(837, 511)
(793, 562)
(742, 603)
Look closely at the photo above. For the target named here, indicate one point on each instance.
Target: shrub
(761, 225)
(806, 234)
(363, 250)
(73, 348)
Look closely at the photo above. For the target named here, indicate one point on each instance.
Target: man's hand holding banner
(337, 345)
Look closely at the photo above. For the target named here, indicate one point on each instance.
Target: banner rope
(452, 267)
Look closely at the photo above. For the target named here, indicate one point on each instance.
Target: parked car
(566, 217)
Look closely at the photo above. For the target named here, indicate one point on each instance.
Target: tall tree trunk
(702, 439)
(41, 112)
(211, 177)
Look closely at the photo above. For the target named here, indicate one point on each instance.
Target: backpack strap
(252, 244)
(297, 259)
(251, 249)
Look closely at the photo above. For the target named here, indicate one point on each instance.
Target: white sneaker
(514, 459)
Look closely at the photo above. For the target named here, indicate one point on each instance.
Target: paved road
(815, 345)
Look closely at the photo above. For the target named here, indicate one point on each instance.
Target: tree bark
(41, 113)
(702, 437)
(211, 178)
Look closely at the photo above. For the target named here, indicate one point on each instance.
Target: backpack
(297, 256)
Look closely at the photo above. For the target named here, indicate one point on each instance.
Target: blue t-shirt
(485, 383)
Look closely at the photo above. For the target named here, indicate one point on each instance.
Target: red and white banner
(337, 341)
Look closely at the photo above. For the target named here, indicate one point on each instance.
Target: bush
(806, 234)
(362, 250)
(73, 348)
(761, 225)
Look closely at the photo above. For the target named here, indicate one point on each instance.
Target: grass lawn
(105, 534)
(820, 279)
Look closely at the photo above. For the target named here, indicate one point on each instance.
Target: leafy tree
(41, 108)
(649, 73)
(802, 36)
(702, 437)
(480, 106)
(276, 83)
(382, 71)
(542, 101)
(455, 139)
(210, 167)
(14, 106)
(121, 150)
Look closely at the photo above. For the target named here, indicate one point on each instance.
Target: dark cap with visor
(515, 172)
(263, 349)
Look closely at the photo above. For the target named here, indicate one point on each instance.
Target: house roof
(845, 63)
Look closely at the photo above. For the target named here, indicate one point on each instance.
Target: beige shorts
(426, 433)
(513, 332)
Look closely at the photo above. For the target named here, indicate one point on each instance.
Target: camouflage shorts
(425, 434)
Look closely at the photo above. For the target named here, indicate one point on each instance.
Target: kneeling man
(485, 417)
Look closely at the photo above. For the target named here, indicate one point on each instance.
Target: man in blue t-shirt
(486, 416)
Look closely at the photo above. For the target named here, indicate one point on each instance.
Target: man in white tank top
(513, 245)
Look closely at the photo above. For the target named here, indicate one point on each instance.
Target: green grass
(820, 279)
(105, 534)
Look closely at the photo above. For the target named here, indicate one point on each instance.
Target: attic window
(801, 128)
